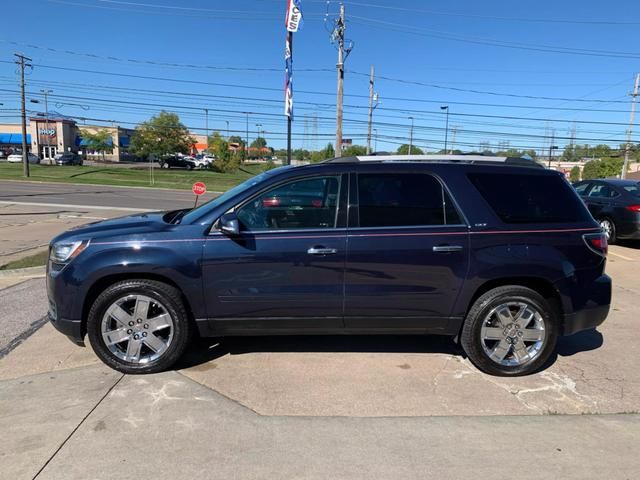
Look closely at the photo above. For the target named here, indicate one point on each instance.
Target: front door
(285, 271)
(407, 256)
(49, 152)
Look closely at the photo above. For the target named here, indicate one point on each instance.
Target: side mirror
(229, 224)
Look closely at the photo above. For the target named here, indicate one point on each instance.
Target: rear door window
(403, 200)
(602, 190)
(530, 198)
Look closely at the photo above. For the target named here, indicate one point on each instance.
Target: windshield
(197, 212)
(633, 189)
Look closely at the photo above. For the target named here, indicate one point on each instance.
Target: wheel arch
(104, 282)
(542, 286)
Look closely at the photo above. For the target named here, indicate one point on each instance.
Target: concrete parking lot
(319, 407)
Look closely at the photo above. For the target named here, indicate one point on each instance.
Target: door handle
(322, 251)
(447, 248)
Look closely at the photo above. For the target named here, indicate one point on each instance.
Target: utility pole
(246, 149)
(206, 125)
(227, 129)
(552, 147)
(454, 131)
(373, 97)
(411, 136)
(632, 117)
(339, 36)
(25, 158)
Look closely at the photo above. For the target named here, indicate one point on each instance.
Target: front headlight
(64, 252)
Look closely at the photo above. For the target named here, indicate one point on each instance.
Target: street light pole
(411, 136)
(446, 128)
(375, 139)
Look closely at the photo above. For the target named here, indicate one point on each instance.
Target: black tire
(471, 337)
(170, 298)
(613, 234)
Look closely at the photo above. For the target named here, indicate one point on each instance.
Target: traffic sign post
(198, 188)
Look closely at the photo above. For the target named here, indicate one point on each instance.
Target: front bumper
(71, 328)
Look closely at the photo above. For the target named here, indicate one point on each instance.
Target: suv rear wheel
(510, 331)
(139, 326)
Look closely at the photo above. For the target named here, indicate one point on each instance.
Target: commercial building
(47, 136)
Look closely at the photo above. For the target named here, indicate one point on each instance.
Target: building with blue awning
(57, 133)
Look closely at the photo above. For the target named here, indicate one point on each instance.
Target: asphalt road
(124, 198)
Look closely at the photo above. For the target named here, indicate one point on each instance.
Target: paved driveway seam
(77, 427)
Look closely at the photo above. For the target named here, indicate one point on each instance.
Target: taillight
(597, 242)
(633, 208)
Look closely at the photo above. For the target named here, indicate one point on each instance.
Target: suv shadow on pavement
(204, 350)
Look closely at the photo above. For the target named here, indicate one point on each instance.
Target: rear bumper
(585, 319)
(595, 309)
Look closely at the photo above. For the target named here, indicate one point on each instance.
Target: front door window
(310, 203)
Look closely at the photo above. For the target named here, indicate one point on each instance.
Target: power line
(490, 42)
(493, 17)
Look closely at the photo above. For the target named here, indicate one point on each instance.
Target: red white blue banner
(288, 80)
(294, 16)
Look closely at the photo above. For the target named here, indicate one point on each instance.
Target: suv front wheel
(510, 331)
(139, 326)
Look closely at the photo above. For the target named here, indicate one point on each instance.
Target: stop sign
(199, 188)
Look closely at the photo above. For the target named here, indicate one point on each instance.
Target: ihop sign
(47, 132)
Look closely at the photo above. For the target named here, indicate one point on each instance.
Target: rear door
(600, 200)
(407, 252)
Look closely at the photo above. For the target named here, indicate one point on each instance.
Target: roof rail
(467, 159)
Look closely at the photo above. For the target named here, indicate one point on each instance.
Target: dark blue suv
(497, 252)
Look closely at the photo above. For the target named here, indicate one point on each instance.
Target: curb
(23, 272)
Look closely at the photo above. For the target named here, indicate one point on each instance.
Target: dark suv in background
(497, 252)
(615, 204)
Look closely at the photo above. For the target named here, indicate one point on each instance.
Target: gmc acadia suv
(497, 252)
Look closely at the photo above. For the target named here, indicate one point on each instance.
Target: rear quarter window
(530, 198)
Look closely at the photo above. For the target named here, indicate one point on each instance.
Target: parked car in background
(497, 252)
(615, 204)
(68, 159)
(178, 161)
(17, 158)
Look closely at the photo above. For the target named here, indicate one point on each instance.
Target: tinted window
(600, 190)
(582, 188)
(518, 198)
(633, 190)
(308, 203)
(400, 199)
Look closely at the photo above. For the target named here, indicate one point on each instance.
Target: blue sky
(451, 48)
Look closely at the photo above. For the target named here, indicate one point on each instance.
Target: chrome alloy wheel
(513, 333)
(607, 228)
(137, 329)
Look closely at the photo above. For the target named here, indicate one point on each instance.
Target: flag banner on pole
(294, 16)
(288, 80)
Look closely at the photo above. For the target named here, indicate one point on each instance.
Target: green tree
(604, 168)
(574, 175)
(354, 151)
(324, 154)
(161, 135)
(226, 160)
(404, 150)
(259, 142)
(100, 141)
